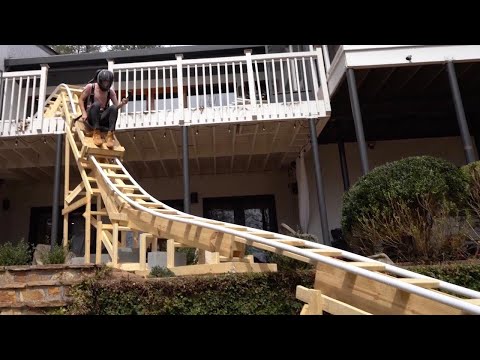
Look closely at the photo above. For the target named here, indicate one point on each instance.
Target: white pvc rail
(429, 294)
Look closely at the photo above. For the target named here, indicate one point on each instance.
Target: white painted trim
(420, 55)
(337, 71)
(11, 74)
(375, 56)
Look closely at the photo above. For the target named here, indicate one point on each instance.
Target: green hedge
(466, 275)
(15, 254)
(230, 294)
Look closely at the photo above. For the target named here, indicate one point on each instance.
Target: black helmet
(105, 76)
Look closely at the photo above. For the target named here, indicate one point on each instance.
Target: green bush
(466, 275)
(56, 256)
(229, 294)
(18, 254)
(472, 171)
(159, 271)
(408, 209)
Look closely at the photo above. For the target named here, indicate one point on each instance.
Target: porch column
(343, 164)
(56, 190)
(319, 184)
(1, 92)
(462, 121)
(186, 172)
(357, 118)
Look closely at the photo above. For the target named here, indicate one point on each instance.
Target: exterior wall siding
(14, 222)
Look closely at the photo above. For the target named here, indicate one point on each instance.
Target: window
(253, 211)
(176, 204)
(41, 228)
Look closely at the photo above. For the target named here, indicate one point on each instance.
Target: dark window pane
(221, 215)
(254, 218)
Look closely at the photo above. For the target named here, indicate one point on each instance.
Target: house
(23, 51)
(248, 112)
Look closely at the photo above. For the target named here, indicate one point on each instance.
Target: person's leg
(110, 116)
(94, 114)
(93, 120)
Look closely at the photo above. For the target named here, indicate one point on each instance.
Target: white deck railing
(22, 93)
(218, 90)
(187, 91)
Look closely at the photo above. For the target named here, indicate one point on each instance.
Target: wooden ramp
(345, 283)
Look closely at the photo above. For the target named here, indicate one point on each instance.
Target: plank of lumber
(266, 235)
(110, 166)
(426, 283)
(221, 268)
(123, 186)
(368, 265)
(289, 242)
(153, 205)
(326, 252)
(166, 212)
(248, 258)
(74, 193)
(75, 205)
(102, 213)
(336, 307)
(111, 226)
(313, 298)
(276, 250)
(473, 301)
(373, 296)
(98, 251)
(118, 176)
(193, 235)
(235, 227)
(138, 196)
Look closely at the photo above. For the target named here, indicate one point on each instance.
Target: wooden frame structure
(345, 283)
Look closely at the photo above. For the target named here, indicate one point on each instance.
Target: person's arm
(85, 93)
(115, 102)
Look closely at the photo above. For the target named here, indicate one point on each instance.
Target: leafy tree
(76, 49)
(131, 47)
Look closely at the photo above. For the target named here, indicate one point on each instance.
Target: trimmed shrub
(229, 294)
(159, 271)
(410, 209)
(56, 256)
(18, 254)
(466, 275)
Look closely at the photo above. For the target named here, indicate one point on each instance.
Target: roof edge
(48, 49)
(119, 55)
